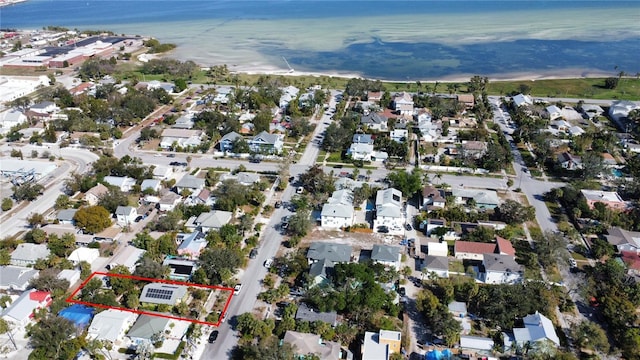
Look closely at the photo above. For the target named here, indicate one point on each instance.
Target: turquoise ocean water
(400, 40)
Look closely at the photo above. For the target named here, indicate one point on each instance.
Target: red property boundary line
(71, 299)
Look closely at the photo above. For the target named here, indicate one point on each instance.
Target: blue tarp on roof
(438, 355)
(79, 315)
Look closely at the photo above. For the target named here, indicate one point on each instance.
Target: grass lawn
(573, 88)
(335, 157)
(456, 266)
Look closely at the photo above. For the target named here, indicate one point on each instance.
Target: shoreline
(458, 78)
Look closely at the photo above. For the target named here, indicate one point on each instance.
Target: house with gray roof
(27, 254)
(624, 240)
(169, 201)
(265, 143)
(387, 255)
(126, 215)
(212, 220)
(16, 278)
(375, 121)
(362, 139)
(148, 327)
(338, 212)
(181, 269)
(305, 313)
(500, 269)
(243, 178)
(320, 272)
(537, 327)
(227, 141)
(337, 253)
(161, 293)
(66, 216)
(484, 199)
(192, 244)
(389, 214)
(190, 183)
(437, 265)
(21, 311)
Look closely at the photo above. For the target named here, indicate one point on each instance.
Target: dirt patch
(358, 241)
(151, 145)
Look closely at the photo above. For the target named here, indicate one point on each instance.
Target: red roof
(474, 247)
(632, 259)
(505, 247)
(39, 296)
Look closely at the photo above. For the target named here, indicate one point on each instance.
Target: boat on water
(10, 2)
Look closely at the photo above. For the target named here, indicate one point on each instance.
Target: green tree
(28, 191)
(112, 199)
(49, 281)
(50, 336)
(62, 202)
(92, 219)
(299, 223)
(121, 285)
(592, 165)
(512, 212)
(407, 183)
(150, 268)
(36, 236)
(7, 204)
(219, 263)
(590, 335)
(62, 246)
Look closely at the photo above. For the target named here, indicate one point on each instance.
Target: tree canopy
(92, 219)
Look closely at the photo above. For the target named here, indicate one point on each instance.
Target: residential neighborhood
(163, 218)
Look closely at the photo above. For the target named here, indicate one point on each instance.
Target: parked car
(213, 336)
(278, 204)
(253, 253)
(268, 263)
(254, 160)
(573, 263)
(299, 190)
(171, 155)
(402, 291)
(383, 229)
(237, 288)
(408, 227)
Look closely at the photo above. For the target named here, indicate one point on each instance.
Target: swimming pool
(616, 172)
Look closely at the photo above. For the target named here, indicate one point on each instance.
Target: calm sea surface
(401, 40)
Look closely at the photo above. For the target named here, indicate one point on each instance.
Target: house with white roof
(403, 104)
(153, 184)
(338, 212)
(561, 125)
(389, 214)
(243, 178)
(307, 344)
(576, 131)
(190, 183)
(162, 172)
(380, 346)
(400, 135)
(522, 99)
(591, 110)
(44, 107)
(9, 119)
(21, 311)
(184, 122)
(387, 255)
(161, 293)
(554, 112)
(124, 183)
(71, 275)
(84, 254)
(288, 93)
(620, 109)
(126, 215)
(16, 278)
(111, 325)
(27, 254)
(359, 151)
(183, 138)
(265, 143)
(537, 327)
(476, 343)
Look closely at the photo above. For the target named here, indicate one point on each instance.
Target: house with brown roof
(467, 99)
(433, 198)
(471, 250)
(374, 95)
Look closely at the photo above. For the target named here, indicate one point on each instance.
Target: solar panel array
(161, 294)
